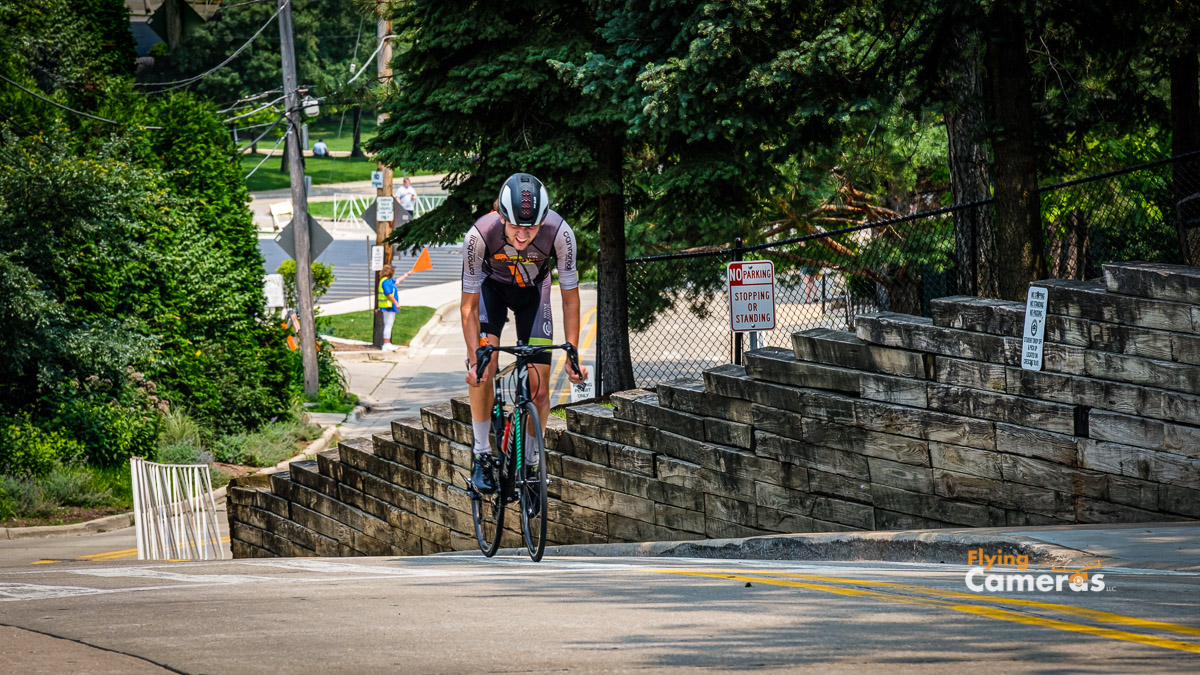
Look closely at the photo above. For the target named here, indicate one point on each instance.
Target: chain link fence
(679, 309)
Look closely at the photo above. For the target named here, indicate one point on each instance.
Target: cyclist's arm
(570, 307)
(470, 322)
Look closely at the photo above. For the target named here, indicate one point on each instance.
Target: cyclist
(507, 258)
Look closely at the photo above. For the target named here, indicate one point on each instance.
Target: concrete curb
(923, 546)
(422, 335)
(105, 524)
(123, 520)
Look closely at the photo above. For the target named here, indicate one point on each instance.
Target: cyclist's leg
(493, 312)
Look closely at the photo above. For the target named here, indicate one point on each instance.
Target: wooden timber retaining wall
(906, 423)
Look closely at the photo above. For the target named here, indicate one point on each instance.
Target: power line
(59, 105)
(371, 58)
(270, 154)
(183, 83)
(252, 143)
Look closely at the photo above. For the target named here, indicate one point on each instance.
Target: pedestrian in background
(388, 301)
(320, 149)
(407, 197)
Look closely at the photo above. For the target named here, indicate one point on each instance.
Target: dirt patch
(234, 470)
(344, 347)
(67, 516)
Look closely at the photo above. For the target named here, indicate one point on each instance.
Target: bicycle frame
(510, 431)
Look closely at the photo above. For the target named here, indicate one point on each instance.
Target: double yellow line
(585, 343)
(969, 603)
(105, 556)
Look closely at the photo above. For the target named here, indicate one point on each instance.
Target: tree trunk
(1021, 258)
(356, 148)
(1185, 137)
(613, 306)
(970, 179)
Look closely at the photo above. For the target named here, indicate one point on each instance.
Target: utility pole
(304, 283)
(383, 227)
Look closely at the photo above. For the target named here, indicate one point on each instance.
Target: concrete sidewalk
(391, 385)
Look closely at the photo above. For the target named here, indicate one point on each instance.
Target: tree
(475, 94)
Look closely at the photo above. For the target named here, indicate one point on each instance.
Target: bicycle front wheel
(534, 506)
(487, 512)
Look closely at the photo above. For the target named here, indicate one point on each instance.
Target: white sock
(482, 445)
(531, 458)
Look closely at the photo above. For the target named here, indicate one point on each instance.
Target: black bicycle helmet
(523, 200)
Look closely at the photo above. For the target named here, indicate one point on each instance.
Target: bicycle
(508, 465)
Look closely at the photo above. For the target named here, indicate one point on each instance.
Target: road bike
(511, 423)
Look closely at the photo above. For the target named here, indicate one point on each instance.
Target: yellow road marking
(111, 555)
(1095, 615)
(978, 610)
(585, 343)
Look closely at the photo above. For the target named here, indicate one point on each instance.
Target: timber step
(1158, 281)
(843, 348)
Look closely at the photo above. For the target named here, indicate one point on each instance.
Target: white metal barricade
(427, 202)
(174, 512)
(349, 206)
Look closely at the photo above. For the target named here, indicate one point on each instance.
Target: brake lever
(482, 356)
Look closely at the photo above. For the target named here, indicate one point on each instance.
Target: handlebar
(483, 355)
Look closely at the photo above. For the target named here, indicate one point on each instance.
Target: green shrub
(230, 449)
(21, 498)
(178, 427)
(322, 275)
(74, 485)
(65, 485)
(182, 453)
(111, 431)
(28, 451)
(266, 446)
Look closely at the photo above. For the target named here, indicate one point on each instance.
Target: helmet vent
(526, 205)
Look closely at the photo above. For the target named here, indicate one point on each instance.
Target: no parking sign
(751, 295)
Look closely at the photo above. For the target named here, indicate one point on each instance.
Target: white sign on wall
(273, 287)
(385, 208)
(1035, 328)
(751, 295)
(376, 258)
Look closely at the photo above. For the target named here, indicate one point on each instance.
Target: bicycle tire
(487, 512)
(533, 528)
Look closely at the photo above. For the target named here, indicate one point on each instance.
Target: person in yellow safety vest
(388, 302)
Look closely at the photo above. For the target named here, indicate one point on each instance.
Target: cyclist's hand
(576, 376)
(475, 381)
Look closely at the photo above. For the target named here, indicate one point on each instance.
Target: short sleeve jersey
(486, 255)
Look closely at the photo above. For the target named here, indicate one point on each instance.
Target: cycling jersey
(486, 255)
(508, 279)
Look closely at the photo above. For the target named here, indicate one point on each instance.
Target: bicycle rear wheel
(487, 512)
(532, 485)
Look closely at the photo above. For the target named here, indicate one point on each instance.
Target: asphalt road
(351, 262)
(468, 614)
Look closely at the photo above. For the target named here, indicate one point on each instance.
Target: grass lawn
(359, 325)
(327, 130)
(322, 209)
(324, 170)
